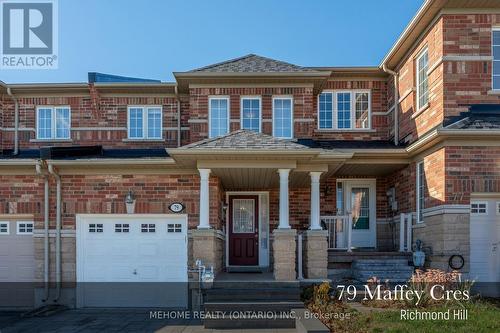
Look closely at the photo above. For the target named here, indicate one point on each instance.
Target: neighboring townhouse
(232, 161)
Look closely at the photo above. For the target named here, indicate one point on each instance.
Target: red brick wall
(468, 82)
(110, 112)
(22, 194)
(471, 169)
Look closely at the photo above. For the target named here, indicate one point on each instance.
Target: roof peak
(252, 63)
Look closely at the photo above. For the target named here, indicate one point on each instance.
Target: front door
(360, 201)
(244, 230)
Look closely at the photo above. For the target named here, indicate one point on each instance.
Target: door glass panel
(360, 204)
(243, 215)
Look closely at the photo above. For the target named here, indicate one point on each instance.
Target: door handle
(135, 272)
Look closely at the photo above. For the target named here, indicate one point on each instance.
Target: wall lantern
(130, 202)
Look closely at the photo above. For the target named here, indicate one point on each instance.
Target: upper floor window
(218, 114)
(53, 122)
(283, 117)
(496, 57)
(344, 110)
(250, 113)
(422, 77)
(325, 104)
(144, 122)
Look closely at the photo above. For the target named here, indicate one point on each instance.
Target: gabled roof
(252, 63)
(245, 139)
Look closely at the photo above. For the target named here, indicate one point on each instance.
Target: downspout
(396, 103)
(16, 121)
(58, 231)
(45, 230)
(178, 117)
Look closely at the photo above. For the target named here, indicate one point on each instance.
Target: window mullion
(353, 110)
(145, 115)
(53, 130)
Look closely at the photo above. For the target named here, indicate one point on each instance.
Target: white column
(315, 212)
(284, 222)
(204, 199)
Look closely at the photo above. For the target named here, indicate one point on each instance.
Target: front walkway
(108, 320)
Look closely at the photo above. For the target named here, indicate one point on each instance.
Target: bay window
(218, 114)
(53, 123)
(144, 122)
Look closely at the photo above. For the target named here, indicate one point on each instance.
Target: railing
(405, 232)
(339, 229)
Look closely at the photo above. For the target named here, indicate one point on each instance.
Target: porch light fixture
(130, 202)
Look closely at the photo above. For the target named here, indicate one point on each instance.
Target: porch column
(315, 211)
(284, 222)
(204, 199)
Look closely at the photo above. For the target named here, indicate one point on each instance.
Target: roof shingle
(252, 63)
(245, 139)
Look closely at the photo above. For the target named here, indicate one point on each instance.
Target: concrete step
(236, 321)
(226, 307)
(391, 277)
(257, 285)
(387, 268)
(251, 294)
(402, 262)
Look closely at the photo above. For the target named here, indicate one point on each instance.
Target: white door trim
(263, 195)
(348, 183)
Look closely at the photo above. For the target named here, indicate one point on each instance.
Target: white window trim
(479, 203)
(420, 55)
(8, 228)
(353, 93)
(417, 190)
(18, 224)
(284, 97)
(210, 98)
(332, 92)
(144, 122)
(53, 122)
(493, 59)
(259, 98)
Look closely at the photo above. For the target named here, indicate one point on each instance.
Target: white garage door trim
(83, 222)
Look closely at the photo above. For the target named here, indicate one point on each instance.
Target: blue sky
(153, 38)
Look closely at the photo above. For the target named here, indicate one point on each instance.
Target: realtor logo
(29, 34)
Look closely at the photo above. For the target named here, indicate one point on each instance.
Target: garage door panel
(158, 258)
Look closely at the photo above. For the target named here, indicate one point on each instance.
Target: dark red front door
(244, 230)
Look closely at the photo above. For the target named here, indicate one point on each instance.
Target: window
(340, 198)
(24, 228)
(219, 116)
(4, 228)
(148, 227)
(420, 191)
(479, 208)
(349, 110)
(283, 117)
(361, 110)
(250, 114)
(422, 84)
(325, 104)
(93, 227)
(119, 227)
(144, 122)
(174, 227)
(344, 110)
(496, 58)
(53, 122)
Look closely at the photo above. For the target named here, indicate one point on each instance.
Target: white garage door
(17, 264)
(484, 240)
(132, 261)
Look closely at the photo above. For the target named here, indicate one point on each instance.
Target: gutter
(176, 89)
(396, 102)
(46, 230)
(58, 231)
(16, 121)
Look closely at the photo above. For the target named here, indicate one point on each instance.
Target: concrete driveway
(104, 320)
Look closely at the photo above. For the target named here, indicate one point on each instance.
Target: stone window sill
(143, 140)
(420, 111)
(494, 92)
(419, 225)
(350, 130)
(51, 140)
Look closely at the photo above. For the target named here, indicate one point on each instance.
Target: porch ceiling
(368, 169)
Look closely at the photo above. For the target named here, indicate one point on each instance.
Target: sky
(153, 38)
